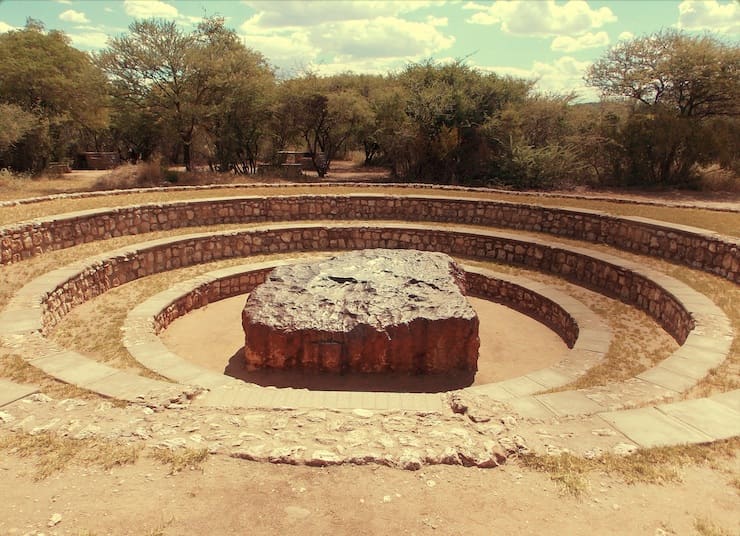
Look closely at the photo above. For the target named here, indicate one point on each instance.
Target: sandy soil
(512, 344)
(236, 497)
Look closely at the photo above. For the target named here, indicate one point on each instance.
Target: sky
(551, 41)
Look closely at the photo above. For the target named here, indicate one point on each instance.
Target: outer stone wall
(601, 272)
(703, 250)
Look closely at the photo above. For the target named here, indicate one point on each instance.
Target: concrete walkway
(11, 391)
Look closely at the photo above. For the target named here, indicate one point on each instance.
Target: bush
(551, 166)
(141, 175)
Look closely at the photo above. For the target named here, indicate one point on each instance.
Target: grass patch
(565, 469)
(53, 453)
(179, 459)
(658, 465)
(706, 527)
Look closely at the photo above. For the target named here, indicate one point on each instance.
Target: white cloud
(564, 75)
(625, 36)
(142, 9)
(543, 18)
(279, 13)
(145, 9)
(283, 49)
(384, 37)
(5, 27)
(566, 43)
(67, 2)
(334, 37)
(369, 66)
(709, 15)
(92, 40)
(108, 9)
(437, 21)
(74, 16)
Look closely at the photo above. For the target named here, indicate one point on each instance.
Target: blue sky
(552, 41)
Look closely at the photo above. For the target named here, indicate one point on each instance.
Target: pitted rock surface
(376, 310)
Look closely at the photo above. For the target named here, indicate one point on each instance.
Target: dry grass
(180, 459)
(706, 527)
(104, 343)
(53, 453)
(717, 179)
(639, 343)
(127, 176)
(659, 465)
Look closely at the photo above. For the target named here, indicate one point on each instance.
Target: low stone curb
(713, 206)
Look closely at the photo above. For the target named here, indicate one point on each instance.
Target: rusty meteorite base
(369, 311)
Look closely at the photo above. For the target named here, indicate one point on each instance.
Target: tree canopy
(201, 96)
(677, 82)
(183, 79)
(696, 76)
(43, 77)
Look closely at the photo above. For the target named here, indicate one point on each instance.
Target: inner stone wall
(696, 248)
(507, 293)
(600, 272)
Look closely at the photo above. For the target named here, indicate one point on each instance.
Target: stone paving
(480, 425)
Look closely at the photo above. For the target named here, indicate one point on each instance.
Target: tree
(677, 82)
(15, 123)
(42, 76)
(448, 104)
(238, 108)
(534, 142)
(149, 68)
(692, 76)
(181, 77)
(323, 114)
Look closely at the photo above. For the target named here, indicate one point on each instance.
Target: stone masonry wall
(589, 269)
(702, 250)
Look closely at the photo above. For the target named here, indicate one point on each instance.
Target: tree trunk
(186, 155)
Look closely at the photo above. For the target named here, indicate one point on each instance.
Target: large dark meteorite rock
(375, 310)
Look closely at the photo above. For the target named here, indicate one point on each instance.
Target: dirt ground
(228, 496)
(212, 337)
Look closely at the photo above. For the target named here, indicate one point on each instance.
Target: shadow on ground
(324, 381)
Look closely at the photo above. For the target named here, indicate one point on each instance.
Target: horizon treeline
(669, 109)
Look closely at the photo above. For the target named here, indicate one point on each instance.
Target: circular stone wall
(373, 311)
